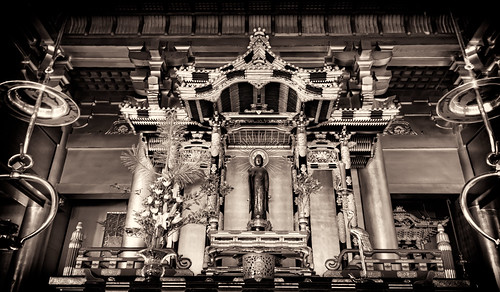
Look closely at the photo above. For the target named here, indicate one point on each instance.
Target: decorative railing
(258, 238)
(122, 261)
(387, 263)
(233, 244)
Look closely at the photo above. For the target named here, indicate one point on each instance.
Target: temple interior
(249, 146)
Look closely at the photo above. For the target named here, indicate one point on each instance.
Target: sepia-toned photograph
(254, 145)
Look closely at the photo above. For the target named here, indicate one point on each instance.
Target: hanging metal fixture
(51, 108)
(475, 101)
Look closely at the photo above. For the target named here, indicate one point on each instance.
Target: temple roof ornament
(141, 116)
(260, 66)
(260, 87)
(378, 114)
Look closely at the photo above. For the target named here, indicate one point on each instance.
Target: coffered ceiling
(112, 46)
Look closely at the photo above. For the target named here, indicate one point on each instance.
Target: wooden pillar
(487, 219)
(49, 266)
(140, 188)
(303, 211)
(26, 258)
(377, 205)
(215, 169)
(27, 263)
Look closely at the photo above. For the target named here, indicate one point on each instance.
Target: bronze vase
(153, 268)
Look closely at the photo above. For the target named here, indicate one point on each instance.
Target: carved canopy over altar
(257, 82)
(262, 98)
(301, 120)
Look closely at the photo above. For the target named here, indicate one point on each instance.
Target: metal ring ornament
(53, 197)
(459, 104)
(468, 66)
(56, 109)
(493, 159)
(49, 70)
(20, 157)
(465, 210)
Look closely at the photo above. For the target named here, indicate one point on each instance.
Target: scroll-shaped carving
(183, 262)
(399, 127)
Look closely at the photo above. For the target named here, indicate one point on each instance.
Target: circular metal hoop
(465, 210)
(53, 196)
(459, 105)
(57, 109)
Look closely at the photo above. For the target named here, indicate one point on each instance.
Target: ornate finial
(259, 45)
(344, 135)
(259, 34)
(302, 121)
(443, 243)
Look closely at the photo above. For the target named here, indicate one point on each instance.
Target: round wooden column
(27, 263)
(377, 205)
(138, 190)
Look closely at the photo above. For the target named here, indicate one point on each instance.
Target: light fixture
(51, 108)
(474, 101)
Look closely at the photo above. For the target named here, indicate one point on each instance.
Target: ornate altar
(248, 246)
(299, 122)
(312, 136)
(334, 108)
(414, 232)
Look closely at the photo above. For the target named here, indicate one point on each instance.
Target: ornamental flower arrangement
(160, 216)
(163, 207)
(304, 185)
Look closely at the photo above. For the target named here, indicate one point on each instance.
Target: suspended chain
(493, 158)
(22, 161)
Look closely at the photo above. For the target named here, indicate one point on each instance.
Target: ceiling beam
(302, 52)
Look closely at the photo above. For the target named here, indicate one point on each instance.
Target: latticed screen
(113, 229)
(261, 137)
